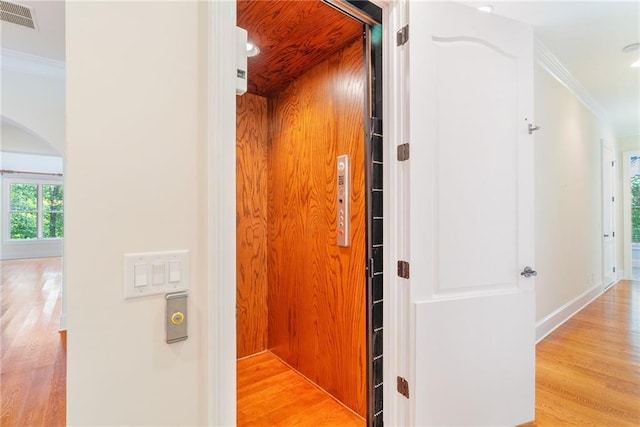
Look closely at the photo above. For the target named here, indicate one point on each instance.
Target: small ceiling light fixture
(486, 8)
(252, 50)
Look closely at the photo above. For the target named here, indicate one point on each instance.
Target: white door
(471, 217)
(608, 251)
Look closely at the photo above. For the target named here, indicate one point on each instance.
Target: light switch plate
(156, 264)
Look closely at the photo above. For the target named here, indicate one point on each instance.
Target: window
(35, 210)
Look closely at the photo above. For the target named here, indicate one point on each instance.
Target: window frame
(6, 208)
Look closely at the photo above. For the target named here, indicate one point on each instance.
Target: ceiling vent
(16, 14)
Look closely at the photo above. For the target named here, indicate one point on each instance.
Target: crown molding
(553, 66)
(24, 62)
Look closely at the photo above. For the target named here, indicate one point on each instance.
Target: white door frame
(608, 204)
(221, 201)
(626, 214)
(220, 116)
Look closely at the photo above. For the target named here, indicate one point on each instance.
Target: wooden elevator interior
(299, 295)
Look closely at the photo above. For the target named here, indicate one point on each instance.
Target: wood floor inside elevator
(270, 393)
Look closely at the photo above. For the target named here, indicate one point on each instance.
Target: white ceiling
(586, 36)
(17, 139)
(47, 40)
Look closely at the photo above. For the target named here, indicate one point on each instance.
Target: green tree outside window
(36, 211)
(635, 208)
(24, 211)
(52, 220)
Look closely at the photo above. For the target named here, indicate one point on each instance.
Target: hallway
(588, 370)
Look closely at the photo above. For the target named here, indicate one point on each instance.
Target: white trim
(221, 217)
(396, 297)
(25, 63)
(221, 116)
(63, 322)
(553, 66)
(607, 204)
(554, 320)
(626, 213)
(607, 287)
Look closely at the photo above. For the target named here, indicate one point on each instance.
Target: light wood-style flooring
(33, 352)
(588, 370)
(270, 393)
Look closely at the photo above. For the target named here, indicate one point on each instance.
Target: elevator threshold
(270, 393)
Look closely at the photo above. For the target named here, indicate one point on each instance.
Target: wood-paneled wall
(251, 211)
(316, 297)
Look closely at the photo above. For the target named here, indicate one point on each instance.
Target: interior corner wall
(568, 196)
(317, 290)
(627, 143)
(251, 229)
(134, 183)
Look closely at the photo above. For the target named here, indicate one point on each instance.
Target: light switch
(140, 275)
(157, 273)
(174, 271)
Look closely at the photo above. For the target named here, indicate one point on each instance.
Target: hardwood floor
(33, 371)
(588, 370)
(272, 394)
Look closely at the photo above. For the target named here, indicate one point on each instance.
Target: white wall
(133, 183)
(568, 197)
(33, 96)
(17, 139)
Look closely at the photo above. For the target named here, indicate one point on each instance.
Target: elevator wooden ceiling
(293, 37)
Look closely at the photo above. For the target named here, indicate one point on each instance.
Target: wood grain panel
(251, 230)
(272, 394)
(317, 310)
(293, 36)
(34, 361)
(588, 370)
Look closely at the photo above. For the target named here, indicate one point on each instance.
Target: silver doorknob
(533, 128)
(528, 272)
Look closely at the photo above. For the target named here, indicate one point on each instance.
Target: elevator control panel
(176, 317)
(343, 199)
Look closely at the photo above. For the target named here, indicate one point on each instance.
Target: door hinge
(370, 267)
(613, 199)
(402, 36)
(403, 152)
(403, 269)
(403, 387)
(613, 234)
(614, 269)
(613, 163)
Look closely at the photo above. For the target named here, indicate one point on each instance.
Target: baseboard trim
(615, 282)
(63, 322)
(566, 312)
